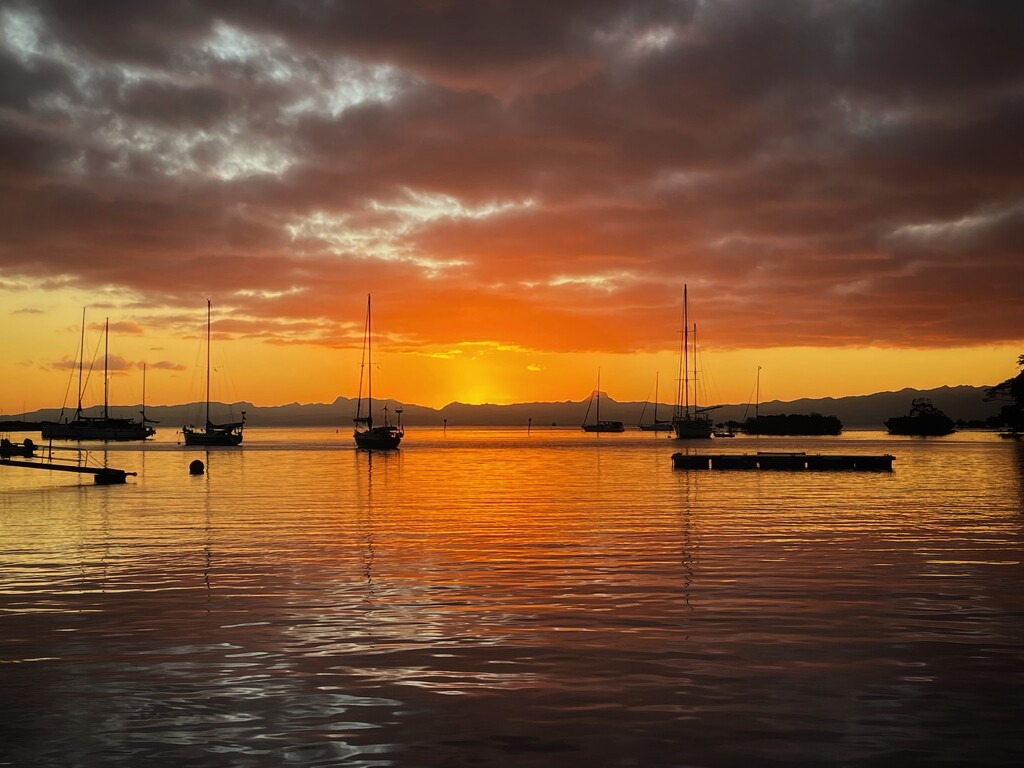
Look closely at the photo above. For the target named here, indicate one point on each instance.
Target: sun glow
(281, 361)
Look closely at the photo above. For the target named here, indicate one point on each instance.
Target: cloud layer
(540, 174)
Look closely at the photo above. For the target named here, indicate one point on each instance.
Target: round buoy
(196, 467)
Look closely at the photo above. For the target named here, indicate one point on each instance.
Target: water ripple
(488, 597)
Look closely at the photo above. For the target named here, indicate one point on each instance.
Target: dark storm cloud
(172, 105)
(855, 162)
(125, 30)
(18, 83)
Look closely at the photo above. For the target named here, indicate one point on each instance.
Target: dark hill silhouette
(862, 411)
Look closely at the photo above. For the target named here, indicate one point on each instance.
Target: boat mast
(757, 389)
(679, 373)
(106, 354)
(360, 419)
(695, 370)
(369, 363)
(686, 352)
(656, 398)
(598, 394)
(81, 360)
(208, 315)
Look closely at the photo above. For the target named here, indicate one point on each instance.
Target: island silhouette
(924, 420)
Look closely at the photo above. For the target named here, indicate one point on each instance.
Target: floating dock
(784, 460)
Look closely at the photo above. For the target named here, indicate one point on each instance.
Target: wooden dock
(51, 463)
(784, 460)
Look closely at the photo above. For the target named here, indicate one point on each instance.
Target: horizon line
(295, 403)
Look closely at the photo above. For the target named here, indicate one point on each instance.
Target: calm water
(487, 597)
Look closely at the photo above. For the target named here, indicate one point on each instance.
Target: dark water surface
(487, 597)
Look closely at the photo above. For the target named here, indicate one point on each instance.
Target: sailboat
(105, 427)
(213, 434)
(690, 422)
(655, 426)
(386, 435)
(598, 425)
(142, 412)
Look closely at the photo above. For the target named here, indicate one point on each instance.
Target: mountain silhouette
(855, 412)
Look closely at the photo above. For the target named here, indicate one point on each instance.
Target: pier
(784, 460)
(78, 464)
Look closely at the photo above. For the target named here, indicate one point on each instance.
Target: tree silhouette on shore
(1012, 414)
(925, 420)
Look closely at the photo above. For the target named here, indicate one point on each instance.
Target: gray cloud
(579, 155)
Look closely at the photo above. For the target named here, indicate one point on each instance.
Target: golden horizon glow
(40, 348)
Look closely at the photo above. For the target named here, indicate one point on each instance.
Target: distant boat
(213, 434)
(598, 425)
(656, 425)
(690, 422)
(142, 412)
(105, 427)
(8, 449)
(386, 436)
(804, 424)
(793, 424)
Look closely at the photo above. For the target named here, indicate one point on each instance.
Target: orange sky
(524, 187)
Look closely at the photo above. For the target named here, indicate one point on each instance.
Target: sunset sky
(524, 187)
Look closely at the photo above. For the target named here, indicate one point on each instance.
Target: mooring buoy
(196, 467)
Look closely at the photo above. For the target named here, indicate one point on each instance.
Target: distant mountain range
(861, 411)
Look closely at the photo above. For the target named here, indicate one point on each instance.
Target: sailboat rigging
(689, 421)
(213, 434)
(598, 425)
(387, 435)
(656, 425)
(105, 427)
(142, 412)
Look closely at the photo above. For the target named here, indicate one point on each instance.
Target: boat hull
(195, 437)
(8, 449)
(692, 429)
(378, 438)
(605, 426)
(112, 429)
(662, 426)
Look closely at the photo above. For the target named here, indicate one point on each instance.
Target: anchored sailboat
(387, 435)
(657, 425)
(105, 427)
(142, 412)
(690, 422)
(213, 434)
(598, 425)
